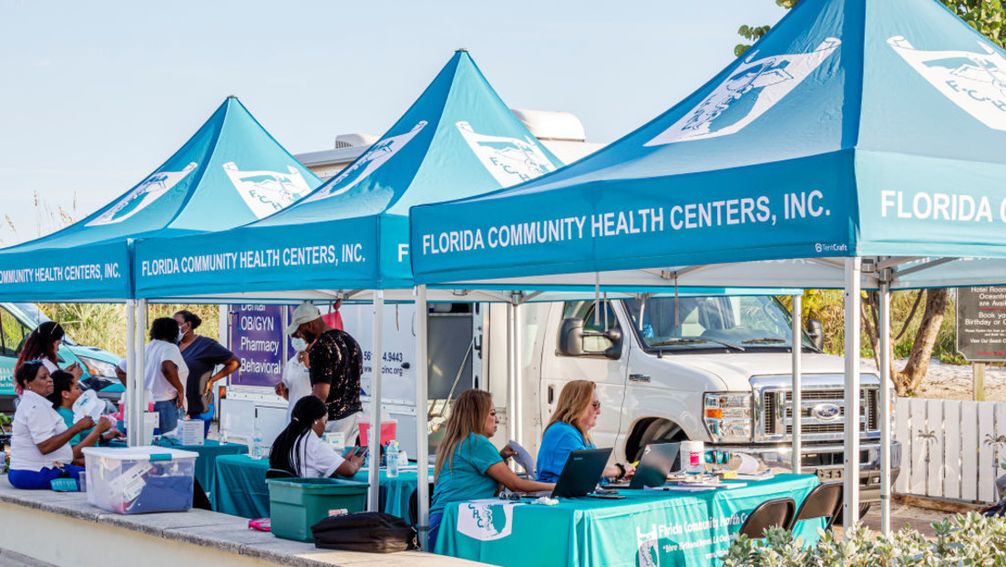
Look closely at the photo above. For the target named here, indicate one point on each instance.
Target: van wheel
(657, 431)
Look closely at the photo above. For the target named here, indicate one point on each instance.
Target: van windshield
(735, 323)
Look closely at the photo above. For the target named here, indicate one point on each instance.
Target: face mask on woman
(181, 335)
(299, 344)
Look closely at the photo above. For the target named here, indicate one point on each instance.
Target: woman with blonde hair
(468, 465)
(569, 430)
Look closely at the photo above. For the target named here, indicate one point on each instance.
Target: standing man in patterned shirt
(335, 366)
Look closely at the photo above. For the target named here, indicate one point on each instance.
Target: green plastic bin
(296, 504)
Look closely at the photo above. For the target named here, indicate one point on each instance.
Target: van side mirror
(571, 337)
(815, 330)
(574, 341)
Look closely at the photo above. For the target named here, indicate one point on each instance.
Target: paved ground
(11, 559)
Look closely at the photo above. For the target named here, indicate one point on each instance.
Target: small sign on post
(981, 329)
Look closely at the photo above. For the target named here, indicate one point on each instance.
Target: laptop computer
(581, 473)
(658, 460)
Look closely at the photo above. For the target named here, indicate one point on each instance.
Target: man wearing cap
(335, 366)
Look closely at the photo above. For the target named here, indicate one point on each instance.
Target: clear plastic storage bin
(140, 480)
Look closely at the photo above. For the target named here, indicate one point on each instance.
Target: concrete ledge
(33, 521)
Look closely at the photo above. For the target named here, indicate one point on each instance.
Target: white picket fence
(950, 448)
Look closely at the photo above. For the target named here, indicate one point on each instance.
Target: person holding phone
(42, 345)
(300, 451)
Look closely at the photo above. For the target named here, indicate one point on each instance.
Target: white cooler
(140, 480)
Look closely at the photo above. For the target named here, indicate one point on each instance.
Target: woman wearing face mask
(165, 372)
(42, 345)
(569, 430)
(202, 355)
(299, 450)
(40, 441)
(468, 465)
(296, 381)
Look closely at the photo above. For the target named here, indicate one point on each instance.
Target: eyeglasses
(596, 404)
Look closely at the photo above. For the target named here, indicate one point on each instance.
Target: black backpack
(372, 532)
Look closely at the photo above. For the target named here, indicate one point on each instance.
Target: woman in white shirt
(165, 372)
(296, 377)
(42, 345)
(300, 451)
(40, 441)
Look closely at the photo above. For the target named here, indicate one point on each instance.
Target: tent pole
(422, 413)
(518, 375)
(133, 418)
(850, 512)
(511, 371)
(135, 378)
(376, 363)
(885, 408)
(797, 379)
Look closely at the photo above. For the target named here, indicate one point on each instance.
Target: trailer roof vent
(550, 125)
(353, 140)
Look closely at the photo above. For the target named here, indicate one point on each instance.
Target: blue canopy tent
(349, 238)
(231, 171)
(856, 145)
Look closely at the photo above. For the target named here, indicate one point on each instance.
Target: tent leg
(376, 360)
(136, 393)
(518, 375)
(797, 381)
(885, 409)
(422, 411)
(850, 512)
(133, 417)
(511, 367)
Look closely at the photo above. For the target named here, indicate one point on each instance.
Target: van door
(597, 359)
(12, 333)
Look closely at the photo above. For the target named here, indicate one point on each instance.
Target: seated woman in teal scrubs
(468, 465)
(569, 430)
(66, 391)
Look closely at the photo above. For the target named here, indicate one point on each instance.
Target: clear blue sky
(95, 95)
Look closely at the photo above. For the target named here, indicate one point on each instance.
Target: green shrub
(966, 540)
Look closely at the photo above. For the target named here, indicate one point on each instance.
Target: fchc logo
(266, 192)
(509, 160)
(975, 82)
(754, 87)
(485, 521)
(367, 164)
(142, 196)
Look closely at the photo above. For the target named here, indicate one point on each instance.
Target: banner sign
(981, 323)
(256, 338)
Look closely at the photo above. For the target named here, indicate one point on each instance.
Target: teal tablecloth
(644, 528)
(206, 463)
(242, 490)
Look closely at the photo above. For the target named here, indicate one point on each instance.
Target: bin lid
(146, 452)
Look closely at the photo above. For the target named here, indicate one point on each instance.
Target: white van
(716, 369)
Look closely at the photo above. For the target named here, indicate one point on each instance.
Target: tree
(989, 18)
(986, 16)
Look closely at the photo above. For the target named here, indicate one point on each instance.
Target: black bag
(366, 531)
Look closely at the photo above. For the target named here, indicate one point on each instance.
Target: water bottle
(391, 456)
(257, 442)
